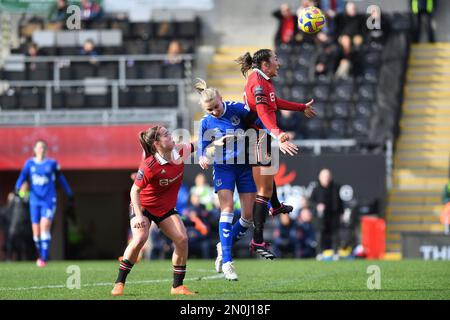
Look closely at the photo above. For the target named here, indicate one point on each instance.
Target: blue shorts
(229, 176)
(42, 209)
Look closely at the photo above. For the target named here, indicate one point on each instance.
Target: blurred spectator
(174, 52)
(204, 191)
(349, 59)
(305, 235)
(446, 194)
(329, 208)
(33, 50)
(351, 24)
(89, 49)
(90, 10)
(327, 56)
(287, 24)
(423, 9)
(197, 228)
(331, 8)
(19, 243)
(283, 236)
(59, 12)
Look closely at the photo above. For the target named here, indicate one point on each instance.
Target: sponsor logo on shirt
(38, 180)
(235, 120)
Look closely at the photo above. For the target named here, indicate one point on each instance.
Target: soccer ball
(311, 20)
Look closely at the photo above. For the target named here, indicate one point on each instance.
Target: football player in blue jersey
(42, 173)
(223, 120)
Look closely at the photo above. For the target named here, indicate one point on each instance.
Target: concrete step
(420, 103)
(428, 46)
(419, 173)
(414, 86)
(403, 144)
(413, 219)
(432, 62)
(414, 227)
(428, 112)
(402, 209)
(428, 94)
(424, 138)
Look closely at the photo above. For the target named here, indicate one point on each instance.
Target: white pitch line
(102, 284)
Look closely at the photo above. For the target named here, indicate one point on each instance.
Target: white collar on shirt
(262, 73)
(162, 161)
(224, 109)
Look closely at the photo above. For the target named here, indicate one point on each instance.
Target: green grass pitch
(258, 279)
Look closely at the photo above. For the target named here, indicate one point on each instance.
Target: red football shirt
(160, 181)
(260, 96)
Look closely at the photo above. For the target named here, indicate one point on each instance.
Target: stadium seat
(284, 92)
(366, 92)
(82, 70)
(58, 100)
(111, 38)
(158, 46)
(363, 109)
(123, 26)
(142, 96)
(108, 69)
(341, 110)
(142, 30)
(283, 48)
(301, 75)
(299, 93)
(166, 96)
(132, 69)
(39, 71)
(321, 92)
(321, 110)
(68, 51)
(343, 92)
(135, 47)
(67, 38)
(360, 127)
(337, 129)
(65, 72)
(98, 101)
(9, 99)
(187, 29)
(314, 129)
(75, 98)
(31, 98)
(173, 71)
(372, 59)
(150, 69)
(15, 75)
(99, 24)
(370, 75)
(401, 21)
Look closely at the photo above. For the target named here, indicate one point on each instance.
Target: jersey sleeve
(62, 179)
(202, 142)
(264, 111)
(143, 176)
(288, 105)
(23, 175)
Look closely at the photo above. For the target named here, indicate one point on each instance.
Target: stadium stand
(129, 59)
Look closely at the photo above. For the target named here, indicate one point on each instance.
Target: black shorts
(259, 154)
(152, 217)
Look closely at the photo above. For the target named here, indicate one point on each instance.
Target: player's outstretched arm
(294, 106)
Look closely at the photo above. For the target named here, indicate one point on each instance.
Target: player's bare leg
(140, 236)
(174, 229)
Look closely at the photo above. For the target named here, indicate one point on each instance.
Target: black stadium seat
(343, 92)
(363, 109)
(173, 71)
(142, 30)
(321, 110)
(341, 110)
(108, 70)
(82, 70)
(58, 100)
(360, 127)
(98, 101)
(366, 92)
(321, 92)
(31, 98)
(39, 71)
(187, 29)
(166, 96)
(337, 129)
(142, 96)
(299, 93)
(9, 99)
(150, 69)
(314, 129)
(135, 47)
(75, 98)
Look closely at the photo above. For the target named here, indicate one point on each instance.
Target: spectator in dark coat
(351, 23)
(329, 208)
(305, 234)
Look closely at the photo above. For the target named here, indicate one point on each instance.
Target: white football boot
(229, 271)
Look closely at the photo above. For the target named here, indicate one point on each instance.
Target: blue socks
(226, 235)
(45, 245)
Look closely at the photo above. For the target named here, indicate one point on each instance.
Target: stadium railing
(117, 108)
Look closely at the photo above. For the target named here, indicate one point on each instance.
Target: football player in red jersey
(153, 199)
(260, 96)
